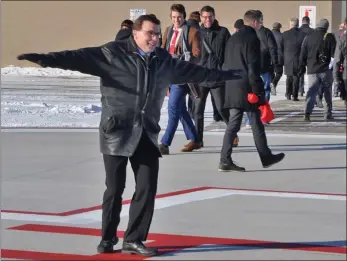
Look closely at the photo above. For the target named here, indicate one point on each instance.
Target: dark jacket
(291, 47)
(269, 53)
(216, 38)
(243, 51)
(132, 88)
(306, 29)
(310, 51)
(123, 34)
(340, 58)
(279, 40)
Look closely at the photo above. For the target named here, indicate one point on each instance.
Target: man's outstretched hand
(32, 57)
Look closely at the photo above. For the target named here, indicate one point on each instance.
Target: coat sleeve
(182, 72)
(303, 54)
(271, 41)
(252, 56)
(338, 60)
(164, 38)
(332, 45)
(281, 51)
(91, 60)
(223, 46)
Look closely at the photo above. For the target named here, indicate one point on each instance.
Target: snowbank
(38, 71)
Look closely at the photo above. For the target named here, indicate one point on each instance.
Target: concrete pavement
(53, 181)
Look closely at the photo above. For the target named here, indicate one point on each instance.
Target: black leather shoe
(272, 159)
(138, 248)
(106, 246)
(230, 167)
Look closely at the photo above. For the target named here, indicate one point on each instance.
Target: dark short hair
(208, 9)
(306, 19)
(251, 15)
(150, 18)
(179, 8)
(239, 24)
(128, 23)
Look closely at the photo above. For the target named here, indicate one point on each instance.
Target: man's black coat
(133, 88)
(243, 52)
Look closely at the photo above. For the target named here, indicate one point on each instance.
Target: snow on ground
(38, 71)
(47, 97)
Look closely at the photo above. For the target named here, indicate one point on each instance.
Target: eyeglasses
(207, 17)
(151, 33)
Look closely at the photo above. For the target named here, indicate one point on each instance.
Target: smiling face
(148, 37)
(177, 19)
(207, 19)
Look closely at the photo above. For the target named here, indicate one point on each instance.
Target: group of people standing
(135, 75)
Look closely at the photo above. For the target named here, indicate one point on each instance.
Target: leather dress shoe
(106, 246)
(138, 248)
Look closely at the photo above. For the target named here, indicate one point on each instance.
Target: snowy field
(47, 97)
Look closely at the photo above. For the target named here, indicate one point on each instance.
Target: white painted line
(161, 203)
(213, 132)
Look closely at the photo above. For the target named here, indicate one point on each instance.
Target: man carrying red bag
(266, 113)
(243, 51)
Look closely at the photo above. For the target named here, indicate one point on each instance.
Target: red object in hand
(252, 98)
(266, 113)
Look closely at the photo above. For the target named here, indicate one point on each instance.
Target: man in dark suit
(134, 77)
(243, 51)
(291, 47)
(277, 74)
(306, 29)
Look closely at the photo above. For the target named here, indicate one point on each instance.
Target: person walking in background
(182, 42)
(238, 25)
(277, 74)
(317, 50)
(340, 60)
(268, 57)
(193, 21)
(291, 47)
(243, 51)
(214, 38)
(306, 29)
(339, 89)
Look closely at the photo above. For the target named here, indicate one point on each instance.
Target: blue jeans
(319, 82)
(177, 110)
(267, 81)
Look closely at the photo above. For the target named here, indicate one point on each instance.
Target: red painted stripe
(32, 255)
(35, 255)
(169, 243)
(83, 210)
(280, 191)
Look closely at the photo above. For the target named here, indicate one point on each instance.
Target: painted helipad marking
(168, 244)
(174, 199)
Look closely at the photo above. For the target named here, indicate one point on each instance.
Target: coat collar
(132, 48)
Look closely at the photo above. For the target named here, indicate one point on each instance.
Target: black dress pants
(292, 86)
(145, 165)
(233, 128)
(200, 104)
